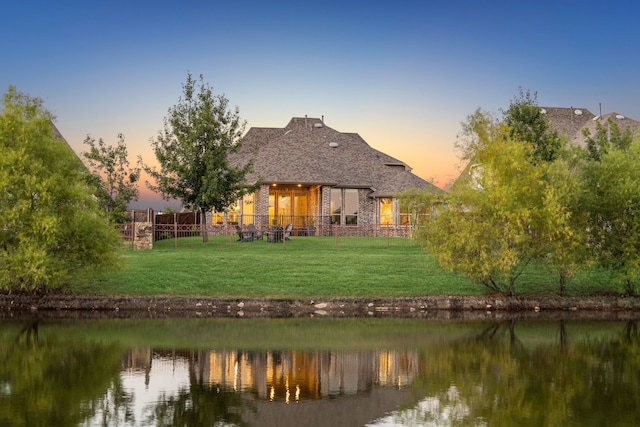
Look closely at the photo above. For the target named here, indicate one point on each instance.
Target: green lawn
(305, 267)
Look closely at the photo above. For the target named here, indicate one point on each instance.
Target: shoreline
(438, 306)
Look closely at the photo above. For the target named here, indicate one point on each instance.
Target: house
(310, 174)
(570, 122)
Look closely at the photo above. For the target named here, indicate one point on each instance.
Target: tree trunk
(203, 225)
(563, 281)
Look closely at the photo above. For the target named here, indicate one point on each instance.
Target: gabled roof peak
(306, 122)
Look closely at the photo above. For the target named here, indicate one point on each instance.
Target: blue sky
(402, 74)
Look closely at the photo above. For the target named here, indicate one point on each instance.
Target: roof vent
(317, 125)
(577, 112)
(619, 117)
(334, 145)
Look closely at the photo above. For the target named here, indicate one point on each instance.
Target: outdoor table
(275, 234)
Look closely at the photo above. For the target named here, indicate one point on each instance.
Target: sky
(402, 74)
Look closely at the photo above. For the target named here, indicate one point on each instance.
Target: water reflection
(44, 381)
(443, 373)
(247, 386)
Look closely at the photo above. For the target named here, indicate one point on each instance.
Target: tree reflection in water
(51, 383)
(494, 379)
(201, 404)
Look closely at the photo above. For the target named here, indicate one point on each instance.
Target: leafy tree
(566, 250)
(192, 150)
(50, 226)
(114, 179)
(610, 195)
(606, 138)
(502, 216)
(529, 124)
(473, 136)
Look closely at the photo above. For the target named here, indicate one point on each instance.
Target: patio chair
(244, 236)
(287, 231)
(254, 231)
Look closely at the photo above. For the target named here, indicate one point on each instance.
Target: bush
(50, 225)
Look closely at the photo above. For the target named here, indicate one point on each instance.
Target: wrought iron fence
(178, 225)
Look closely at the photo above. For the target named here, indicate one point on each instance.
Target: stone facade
(367, 208)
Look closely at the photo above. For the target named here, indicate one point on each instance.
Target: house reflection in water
(294, 375)
(311, 388)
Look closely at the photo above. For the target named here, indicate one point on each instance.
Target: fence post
(175, 231)
(388, 237)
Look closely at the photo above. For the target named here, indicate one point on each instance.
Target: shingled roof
(308, 152)
(570, 122)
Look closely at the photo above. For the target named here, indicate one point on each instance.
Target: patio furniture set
(275, 235)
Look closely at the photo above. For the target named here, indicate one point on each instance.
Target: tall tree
(192, 150)
(529, 124)
(115, 181)
(50, 226)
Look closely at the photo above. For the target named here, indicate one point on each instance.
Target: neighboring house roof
(308, 152)
(58, 135)
(570, 122)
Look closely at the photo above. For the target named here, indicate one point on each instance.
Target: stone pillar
(143, 236)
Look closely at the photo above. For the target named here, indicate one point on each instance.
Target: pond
(319, 372)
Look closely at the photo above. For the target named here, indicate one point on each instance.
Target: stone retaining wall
(449, 307)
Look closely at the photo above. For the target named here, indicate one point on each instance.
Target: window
(247, 209)
(344, 206)
(351, 206)
(233, 212)
(404, 218)
(217, 218)
(272, 209)
(299, 210)
(288, 206)
(414, 215)
(231, 215)
(386, 211)
(336, 206)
